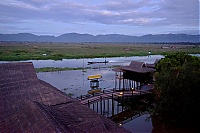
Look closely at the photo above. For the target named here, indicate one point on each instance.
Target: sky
(128, 17)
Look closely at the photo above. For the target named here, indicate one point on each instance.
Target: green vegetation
(15, 51)
(57, 69)
(177, 90)
(53, 69)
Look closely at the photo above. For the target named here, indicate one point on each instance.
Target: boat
(94, 62)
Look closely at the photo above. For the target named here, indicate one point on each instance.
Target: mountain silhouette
(114, 38)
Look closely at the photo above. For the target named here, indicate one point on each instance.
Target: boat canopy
(97, 76)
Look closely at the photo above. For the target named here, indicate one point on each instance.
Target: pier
(111, 94)
(134, 81)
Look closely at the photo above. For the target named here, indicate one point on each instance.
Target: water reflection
(76, 82)
(142, 124)
(74, 63)
(135, 118)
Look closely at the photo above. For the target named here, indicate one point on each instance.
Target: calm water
(76, 82)
(74, 63)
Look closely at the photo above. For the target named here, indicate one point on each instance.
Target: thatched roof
(28, 104)
(135, 66)
(154, 64)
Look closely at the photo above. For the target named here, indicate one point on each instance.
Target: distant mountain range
(76, 37)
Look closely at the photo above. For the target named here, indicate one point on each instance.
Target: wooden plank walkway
(107, 94)
(134, 117)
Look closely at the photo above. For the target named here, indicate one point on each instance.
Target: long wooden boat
(93, 62)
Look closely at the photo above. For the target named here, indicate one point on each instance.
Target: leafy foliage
(177, 89)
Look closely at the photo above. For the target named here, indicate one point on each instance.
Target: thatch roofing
(135, 66)
(28, 104)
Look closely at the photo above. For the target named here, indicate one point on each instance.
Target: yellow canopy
(94, 76)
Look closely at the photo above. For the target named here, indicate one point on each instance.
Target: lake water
(74, 63)
(76, 83)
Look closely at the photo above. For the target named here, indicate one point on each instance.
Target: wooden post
(113, 105)
(120, 81)
(104, 108)
(134, 84)
(88, 103)
(122, 103)
(108, 106)
(101, 104)
(115, 80)
(97, 107)
(132, 91)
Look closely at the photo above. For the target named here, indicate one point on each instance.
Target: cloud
(178, 14)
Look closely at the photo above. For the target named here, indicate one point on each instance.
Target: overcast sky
(129, 17)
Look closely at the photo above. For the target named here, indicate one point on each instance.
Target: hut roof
(150, 65)
(156, 61)
(138, 69)
(135, 66)
(154, 64)
(28, 104)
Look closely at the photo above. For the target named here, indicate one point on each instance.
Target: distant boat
(93, 62)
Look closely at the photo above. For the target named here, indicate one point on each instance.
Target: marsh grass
(55, 69)
(16, 51)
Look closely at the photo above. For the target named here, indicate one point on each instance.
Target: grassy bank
(16, 51)
(54, 69)
(57, 69)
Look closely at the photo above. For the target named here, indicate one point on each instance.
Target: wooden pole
(104, 109)
(88, 103)
(115, 80)
(120, 81)
(97, 107)
(101, 104)
(113, 112)
(108, 107)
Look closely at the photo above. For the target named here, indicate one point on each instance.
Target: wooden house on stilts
(134, 76)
